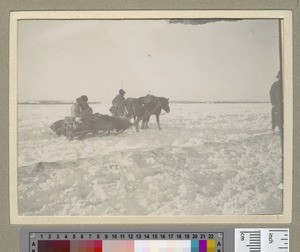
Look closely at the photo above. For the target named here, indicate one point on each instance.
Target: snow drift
(208, 159)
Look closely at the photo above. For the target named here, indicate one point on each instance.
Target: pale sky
(219, 61)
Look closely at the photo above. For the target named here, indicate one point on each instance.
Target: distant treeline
(181, 102)
(52, 102)
(191, 102)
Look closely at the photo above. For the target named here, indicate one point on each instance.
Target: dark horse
(142, 108)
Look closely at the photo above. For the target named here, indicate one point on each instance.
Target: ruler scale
(122, 240)
(262, 240)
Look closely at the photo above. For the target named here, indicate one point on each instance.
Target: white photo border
(287, 77)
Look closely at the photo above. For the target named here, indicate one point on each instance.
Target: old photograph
(150, 117)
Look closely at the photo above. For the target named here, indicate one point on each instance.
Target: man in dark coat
(277, 103)
(81, 114)
(81, 108)
(118, 104)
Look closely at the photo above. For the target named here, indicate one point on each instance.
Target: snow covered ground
(208, 159)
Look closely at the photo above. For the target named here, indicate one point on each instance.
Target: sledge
(97, 123)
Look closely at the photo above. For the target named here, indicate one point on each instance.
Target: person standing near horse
(277, 103)
(118, 104)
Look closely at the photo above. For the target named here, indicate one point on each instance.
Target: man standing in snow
(277, 103)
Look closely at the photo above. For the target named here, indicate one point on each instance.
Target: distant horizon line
(56, 102)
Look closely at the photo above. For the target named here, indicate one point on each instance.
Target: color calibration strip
(126, 246)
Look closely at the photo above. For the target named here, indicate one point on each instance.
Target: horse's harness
(148, 111)
(158, 105)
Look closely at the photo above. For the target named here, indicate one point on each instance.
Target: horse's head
(164, 104)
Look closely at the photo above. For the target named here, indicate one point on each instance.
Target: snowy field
(208, 159)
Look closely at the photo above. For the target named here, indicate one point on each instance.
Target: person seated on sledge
(81, 109)
(118, 104)
(82, 113)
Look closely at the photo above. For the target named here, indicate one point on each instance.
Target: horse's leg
(145, 123)
(137, 116)
(136, 124)
(157, 120)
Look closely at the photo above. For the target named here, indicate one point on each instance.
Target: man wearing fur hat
(117, 108)
(81, 109)
(81, 115)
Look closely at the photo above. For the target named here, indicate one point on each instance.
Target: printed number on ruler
(262, 240)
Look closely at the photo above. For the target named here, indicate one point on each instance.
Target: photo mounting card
(137, 117)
